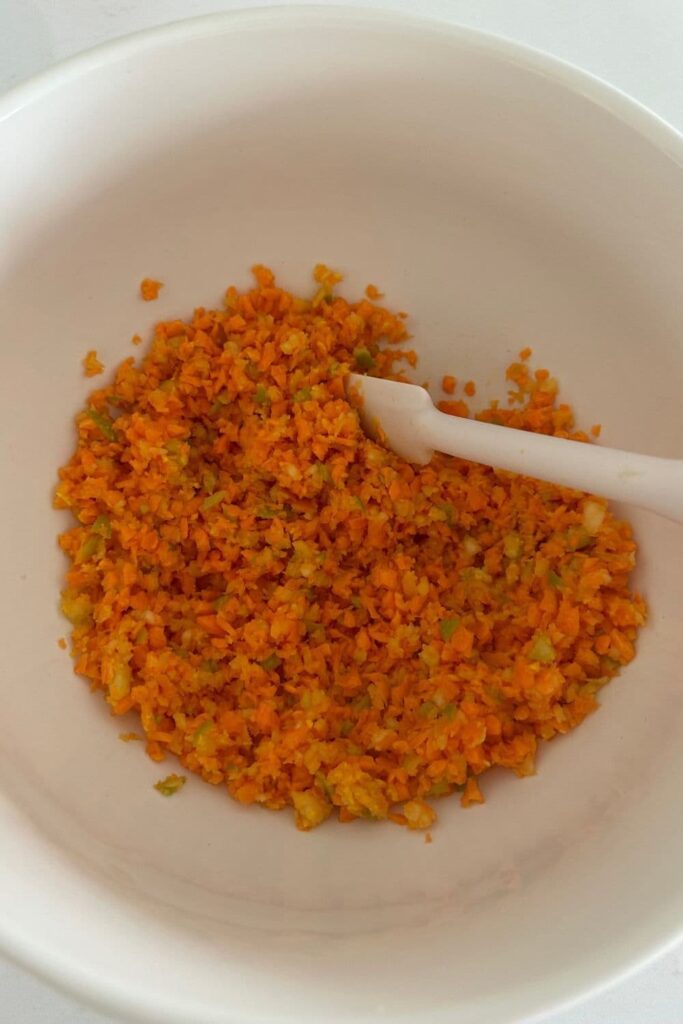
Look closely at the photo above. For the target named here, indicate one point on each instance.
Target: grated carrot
(448, 384)
(91, 364)
(149, 289)
(297, 614)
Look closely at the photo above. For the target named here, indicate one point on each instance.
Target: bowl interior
(502, 203)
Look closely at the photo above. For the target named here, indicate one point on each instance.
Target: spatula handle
(644, 480)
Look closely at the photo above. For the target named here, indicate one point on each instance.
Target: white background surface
(636, 45)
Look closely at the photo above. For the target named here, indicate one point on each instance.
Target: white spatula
(414, 429)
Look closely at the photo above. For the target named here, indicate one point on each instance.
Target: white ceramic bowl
(504, 200)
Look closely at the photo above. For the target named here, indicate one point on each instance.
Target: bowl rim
(632, 112)
(97, 991)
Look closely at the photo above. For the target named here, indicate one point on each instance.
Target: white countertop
(635, 44)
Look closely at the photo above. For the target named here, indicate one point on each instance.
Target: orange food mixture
(149, 289)
(296, 613)
(91, 364)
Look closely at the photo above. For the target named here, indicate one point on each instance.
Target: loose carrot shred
(448, 384)
(470, 388)
(472, 794)
(91, 364)
(61, 643)
(456, 408)
(596, 429)
(296, 613)
(149, 289)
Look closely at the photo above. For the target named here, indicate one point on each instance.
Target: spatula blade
(392, 411)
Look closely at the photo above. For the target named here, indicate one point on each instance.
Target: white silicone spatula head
(414, 429)
(395, 409)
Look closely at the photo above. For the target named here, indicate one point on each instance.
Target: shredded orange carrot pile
(296, 613)
(91, 364)
(149, 289)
